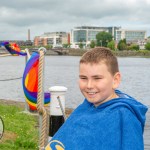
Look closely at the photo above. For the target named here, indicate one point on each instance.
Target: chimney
(28, 34)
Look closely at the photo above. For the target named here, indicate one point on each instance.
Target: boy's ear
(117, 79)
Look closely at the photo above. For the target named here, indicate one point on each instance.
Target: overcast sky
(17, 16)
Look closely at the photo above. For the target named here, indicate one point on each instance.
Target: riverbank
(80, 52)
(68, 111)
(124, 53)
(131, 53)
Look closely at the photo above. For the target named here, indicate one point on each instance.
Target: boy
(107, 119)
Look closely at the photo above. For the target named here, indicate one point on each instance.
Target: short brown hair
(101, 54)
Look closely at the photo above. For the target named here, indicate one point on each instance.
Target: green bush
(92, 44)
(111, 45)
(147, 46)
(122, 45)
(133, 47)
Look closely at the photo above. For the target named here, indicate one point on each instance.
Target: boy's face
(96, 83)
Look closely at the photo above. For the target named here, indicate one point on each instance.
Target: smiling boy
(107, 119)
(97, 82)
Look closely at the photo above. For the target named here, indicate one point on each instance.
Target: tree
(147, 46)
(81, 45)
(92, 44)
(103, 38)
(111, 45)
(122, 45)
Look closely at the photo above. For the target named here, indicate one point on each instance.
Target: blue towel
(114, 125)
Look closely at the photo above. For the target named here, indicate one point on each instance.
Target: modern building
(131, 36)
(86, 34)
(52, 38)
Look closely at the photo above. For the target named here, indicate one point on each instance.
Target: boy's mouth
(91, 93)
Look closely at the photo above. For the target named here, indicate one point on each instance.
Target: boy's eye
(83, 78)
(97, 78)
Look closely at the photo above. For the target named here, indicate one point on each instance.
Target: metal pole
(27, 57)
(26, 105)
(63, 111)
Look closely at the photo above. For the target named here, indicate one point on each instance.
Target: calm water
(63, 70)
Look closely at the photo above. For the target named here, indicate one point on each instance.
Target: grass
(20, 129)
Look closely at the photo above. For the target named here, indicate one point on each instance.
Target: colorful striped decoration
(30, 82)
(13, 49)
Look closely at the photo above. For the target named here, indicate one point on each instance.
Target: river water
(63, 71)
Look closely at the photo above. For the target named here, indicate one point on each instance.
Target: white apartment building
(86, 34)
(131, 36)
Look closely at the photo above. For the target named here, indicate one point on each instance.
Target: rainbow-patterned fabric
(30, 82)
(13, 49)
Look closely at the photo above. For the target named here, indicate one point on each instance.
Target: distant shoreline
(125, 53)
(80, 52)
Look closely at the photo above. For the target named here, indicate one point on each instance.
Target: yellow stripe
(26, 80)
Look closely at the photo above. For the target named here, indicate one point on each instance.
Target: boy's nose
(89, 84)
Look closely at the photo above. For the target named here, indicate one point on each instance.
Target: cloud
(62, 15)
